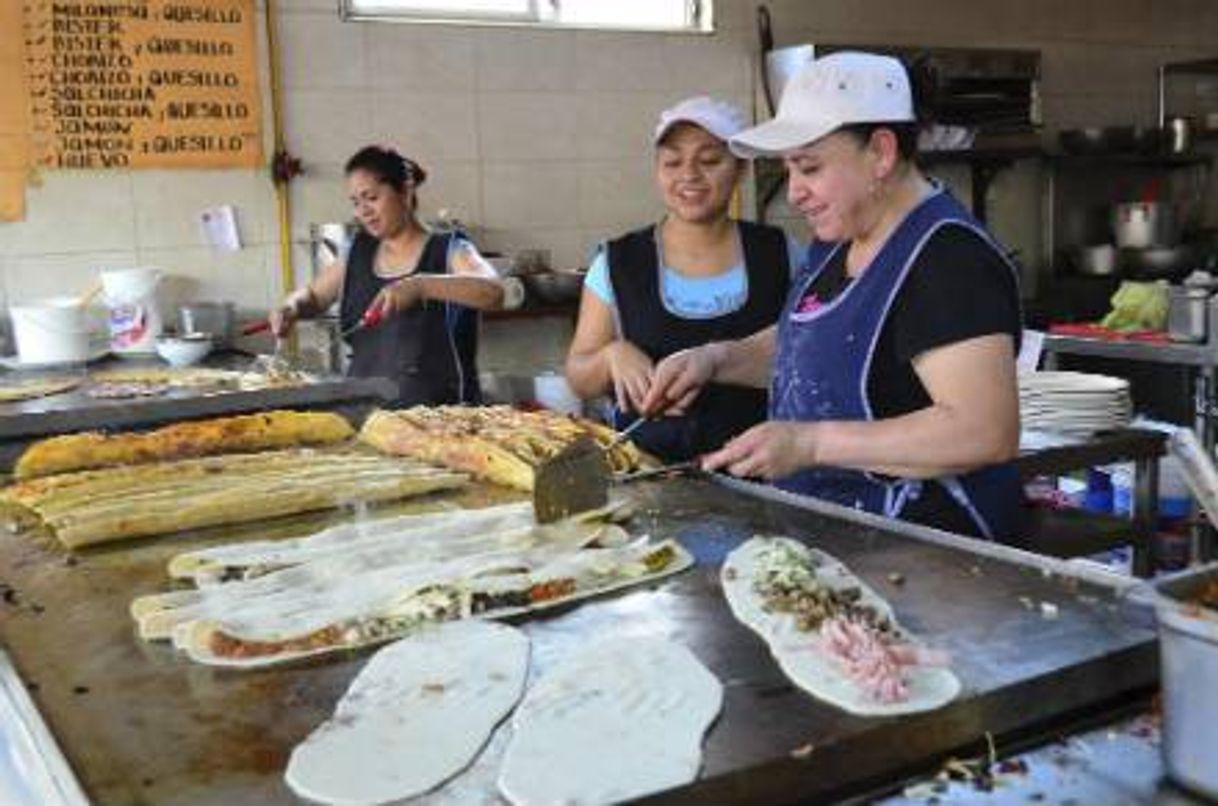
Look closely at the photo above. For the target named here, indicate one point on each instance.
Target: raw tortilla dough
(416, 715)
(619, 719)
(930, 687)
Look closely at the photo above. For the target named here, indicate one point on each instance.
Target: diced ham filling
(873, 663)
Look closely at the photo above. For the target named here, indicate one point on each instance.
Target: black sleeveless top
(429, 350)
(720, 411)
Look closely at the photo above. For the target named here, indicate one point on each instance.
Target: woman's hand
(282, 320)
(401, 295)
(771, 450)
(297, 304)
(630, 370)
(679, 379)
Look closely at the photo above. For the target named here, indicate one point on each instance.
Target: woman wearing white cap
(696, 276)
(892, 367)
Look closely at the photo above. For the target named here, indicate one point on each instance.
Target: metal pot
(216, 318)
(1157, 262)
(1099, 260)
(330, 242)
(1187, 313)
(1140, 225)
(555, 287)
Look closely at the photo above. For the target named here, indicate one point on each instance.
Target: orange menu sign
(14, 116)
(142, 83)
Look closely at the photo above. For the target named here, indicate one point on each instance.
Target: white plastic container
(1188, 644)
(51, 331)
(135, 316)
(551, 390)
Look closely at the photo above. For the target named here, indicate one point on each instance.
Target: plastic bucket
(50, 331)
(135, 316)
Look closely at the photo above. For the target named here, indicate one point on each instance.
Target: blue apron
(824, 359)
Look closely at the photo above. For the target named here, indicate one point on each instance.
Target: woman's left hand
(401, 295)
(771, 450)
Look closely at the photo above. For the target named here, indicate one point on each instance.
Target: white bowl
(182, 351)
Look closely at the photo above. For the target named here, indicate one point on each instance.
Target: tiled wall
(541, 139)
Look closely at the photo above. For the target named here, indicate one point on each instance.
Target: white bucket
(135, 316)
(50, 331)
(551, 390)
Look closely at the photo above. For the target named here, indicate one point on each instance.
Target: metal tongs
(280, 362)
(371, 318)
(625, 433)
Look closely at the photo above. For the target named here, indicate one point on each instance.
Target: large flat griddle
(140, 723)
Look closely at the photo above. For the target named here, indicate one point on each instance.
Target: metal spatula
(575, 480)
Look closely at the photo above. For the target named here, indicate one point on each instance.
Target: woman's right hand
(630, 370)
(282, 319)
(678, 379)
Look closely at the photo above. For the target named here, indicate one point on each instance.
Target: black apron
(429, 350)
(721, 411)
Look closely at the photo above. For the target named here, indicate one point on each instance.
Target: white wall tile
(168, 204)
(455, 187)
(318, 53)
(528, 125)
(520, 60)
(618, 194)
(426, 126)
(73, 211)
(421, 57)
(521, 195)
(34, 277)
(618, 124)
(249, 277)
(710, 65)
(318, 197)
(327, 125)
(610, 61)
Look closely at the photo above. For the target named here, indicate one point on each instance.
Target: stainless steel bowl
(554, 287)
(216, 318)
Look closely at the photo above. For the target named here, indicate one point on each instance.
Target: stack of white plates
(1075, 403)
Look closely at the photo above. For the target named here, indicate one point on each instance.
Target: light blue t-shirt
(690, 297)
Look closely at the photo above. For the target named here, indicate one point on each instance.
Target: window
(632, 15)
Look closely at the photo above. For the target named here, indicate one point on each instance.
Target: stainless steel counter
(1179, 353)
(76, 411)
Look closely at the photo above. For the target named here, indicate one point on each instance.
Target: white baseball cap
(826, 94)
(720, 118)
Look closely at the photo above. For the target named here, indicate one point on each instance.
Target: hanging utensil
(765, 37)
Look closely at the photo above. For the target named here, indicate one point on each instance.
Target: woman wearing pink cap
(696, 276)
(892, 368)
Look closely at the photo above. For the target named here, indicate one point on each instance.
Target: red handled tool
(371, 318)
(256, 327)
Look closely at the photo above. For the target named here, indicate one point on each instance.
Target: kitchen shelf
(973, 156)
(1132, 160)
(984, 166)
(570, 310)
